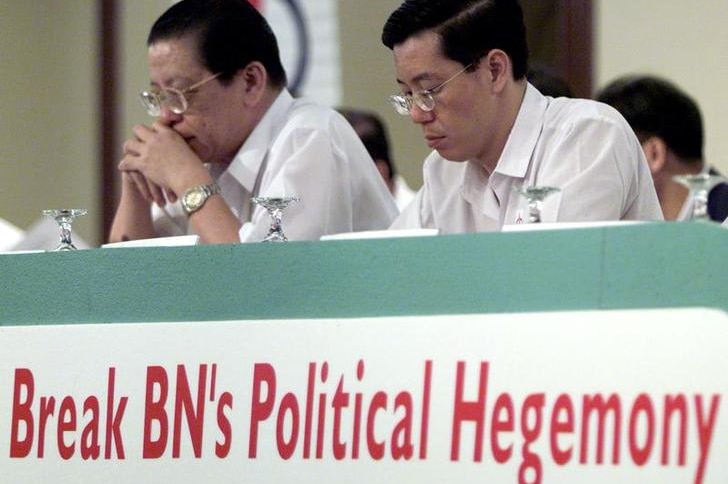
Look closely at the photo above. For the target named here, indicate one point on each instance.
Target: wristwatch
(195, 197)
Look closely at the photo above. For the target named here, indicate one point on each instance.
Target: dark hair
(656, 107)
(548, 83)
(230, 35)
(469, 28)
(372, 133)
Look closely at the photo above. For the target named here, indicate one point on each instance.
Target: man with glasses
(461, 67)
(227, 130)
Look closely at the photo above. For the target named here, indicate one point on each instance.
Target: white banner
(598, 397)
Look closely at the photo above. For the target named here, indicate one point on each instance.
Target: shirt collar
(513, 162)
(516, 156)
(249, 159)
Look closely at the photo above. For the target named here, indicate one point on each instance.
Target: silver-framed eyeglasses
(425, 99)
(169, 97)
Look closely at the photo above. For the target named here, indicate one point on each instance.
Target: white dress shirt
(402, 193)
(584, 148)
(9, 235)
(305, 150)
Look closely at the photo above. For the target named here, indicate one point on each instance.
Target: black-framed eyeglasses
(425, 99)
(169, 97)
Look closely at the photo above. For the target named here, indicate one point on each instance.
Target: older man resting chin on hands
(227, 130)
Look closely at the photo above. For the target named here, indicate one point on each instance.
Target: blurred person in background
(372, 132)
(669, 125)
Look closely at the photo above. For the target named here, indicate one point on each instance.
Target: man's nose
(169, 117)
(419, 115)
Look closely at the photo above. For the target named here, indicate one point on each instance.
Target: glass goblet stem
(64, 219)
(700, 207)
(66, 242)
(276, 215)
(534, 211)
(699, 186)
(535, 196)
(274, 206)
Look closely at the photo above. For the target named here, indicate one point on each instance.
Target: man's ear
(253, 80)
(656, 153)
(498, 66)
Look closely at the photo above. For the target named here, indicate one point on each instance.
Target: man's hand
(149, 191)
(158, 161)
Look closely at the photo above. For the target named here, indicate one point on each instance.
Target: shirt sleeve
(603, 175)
(170, 221)
(338, 187)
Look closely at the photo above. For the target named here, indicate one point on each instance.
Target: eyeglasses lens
(425, 101)
(154, 101)
(150, 101)
(400, 103)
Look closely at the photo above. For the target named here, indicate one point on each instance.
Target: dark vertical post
(576, 52)
(108, 35)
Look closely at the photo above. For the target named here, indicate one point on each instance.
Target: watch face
(194, 198)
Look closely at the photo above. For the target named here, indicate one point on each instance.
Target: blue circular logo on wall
(301, 35)
(288, 21)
